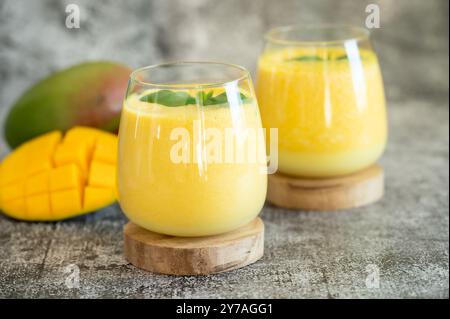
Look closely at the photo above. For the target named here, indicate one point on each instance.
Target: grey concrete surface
(308, 254)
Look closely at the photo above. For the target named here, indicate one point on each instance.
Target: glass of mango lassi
(191, 156)
(322, 88)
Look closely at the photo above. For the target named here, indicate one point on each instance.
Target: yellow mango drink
(174, 176)
(327, 101)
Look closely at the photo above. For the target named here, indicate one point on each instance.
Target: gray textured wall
(412, 42)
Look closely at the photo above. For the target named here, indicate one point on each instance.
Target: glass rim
(360, 34)
(133, 76)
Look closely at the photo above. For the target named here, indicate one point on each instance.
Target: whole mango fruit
(52, 177)
(88, 94)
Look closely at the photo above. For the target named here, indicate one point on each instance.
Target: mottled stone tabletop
(404, 239)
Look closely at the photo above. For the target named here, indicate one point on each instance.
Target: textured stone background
(307, 254)
(412, 42)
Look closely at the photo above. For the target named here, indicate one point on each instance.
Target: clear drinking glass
(190, 145)
(322, 88)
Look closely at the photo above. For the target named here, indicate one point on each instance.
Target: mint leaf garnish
(218, 99)
(307, 58)
(342, 57)
(346, 57)
(176, 98)
(209, 95)
(168, 98)
(312, 58)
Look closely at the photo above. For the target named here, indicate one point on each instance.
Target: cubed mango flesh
(53, 177)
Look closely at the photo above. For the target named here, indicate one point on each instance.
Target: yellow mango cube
(12, 191)
(95, 197)
(14, 166)
(39, 165)
(40, 152)
(78, 154)
(106, 149)
(38, 183)
(66, 202)
(102, 175)
(44, 144)
(38, 206)
(15, 208)
(65, 177)
(81, 135)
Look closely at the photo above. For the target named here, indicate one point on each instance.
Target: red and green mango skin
(88, 94)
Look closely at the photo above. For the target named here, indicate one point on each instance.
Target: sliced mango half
(54, 177)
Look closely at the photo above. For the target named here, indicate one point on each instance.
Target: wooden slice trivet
(355, 190)
(194, 255)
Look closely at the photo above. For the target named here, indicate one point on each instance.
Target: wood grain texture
(355, 190)
(194, 255)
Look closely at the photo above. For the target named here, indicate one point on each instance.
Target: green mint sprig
(315, 58)
(342, 57)
(177, 98)
(306, 58)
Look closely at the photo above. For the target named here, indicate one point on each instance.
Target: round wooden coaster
(194, 255)
(355, 190)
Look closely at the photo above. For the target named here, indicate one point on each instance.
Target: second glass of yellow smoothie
(321, 87)
(184, 131)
